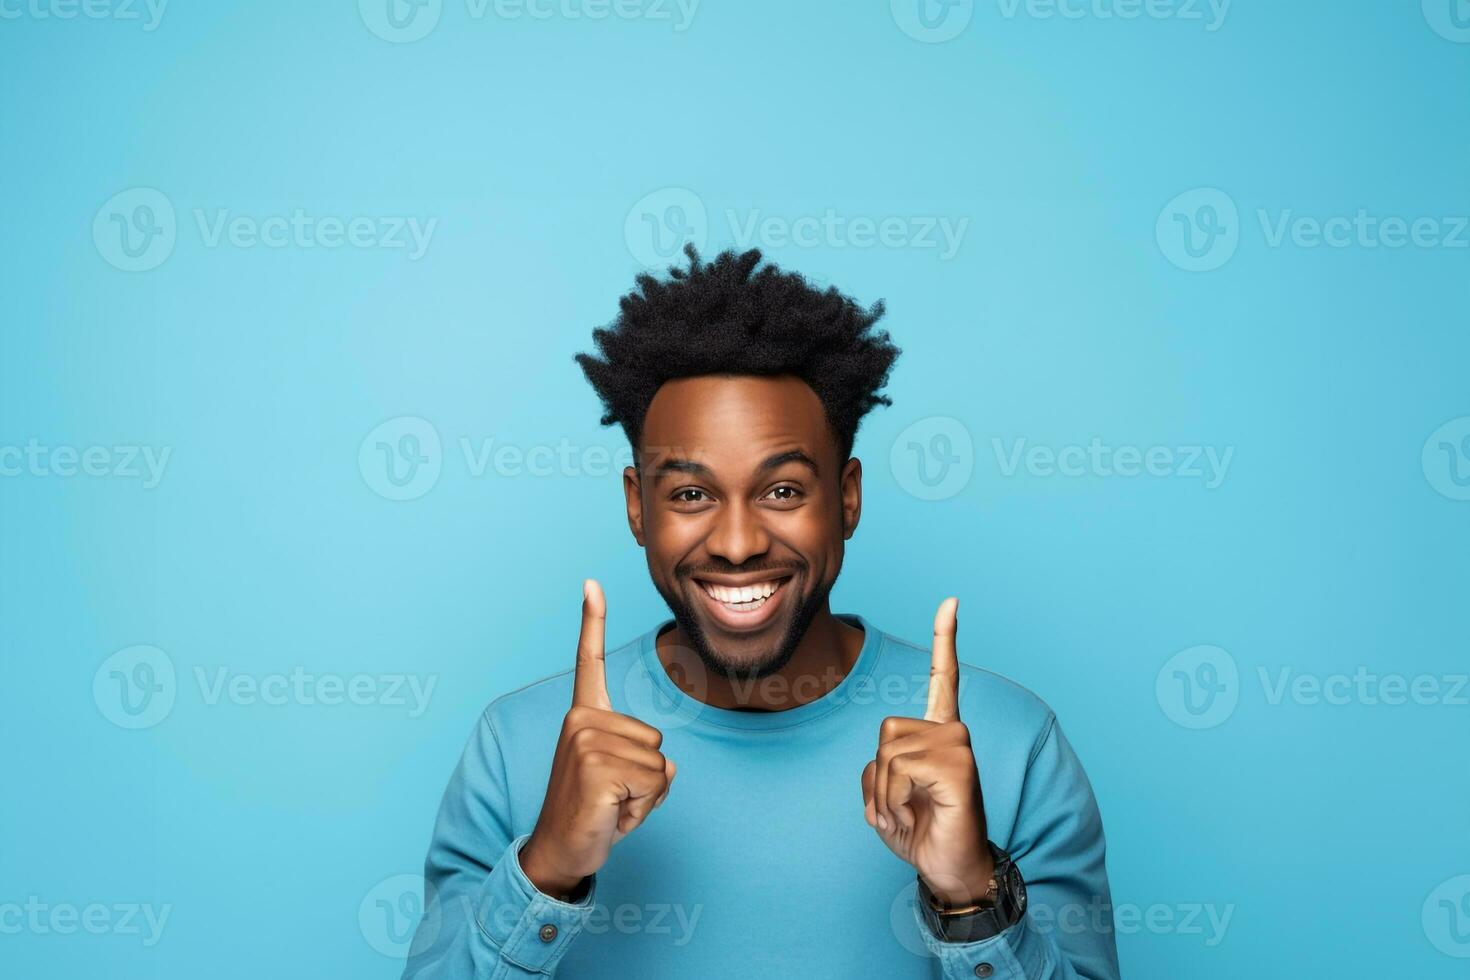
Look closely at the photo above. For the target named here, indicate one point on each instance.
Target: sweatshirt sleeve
(483, 918)
(1067, 931)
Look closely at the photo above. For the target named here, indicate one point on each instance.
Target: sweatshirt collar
(662, 704)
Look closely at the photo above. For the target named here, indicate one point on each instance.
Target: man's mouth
(743, 608)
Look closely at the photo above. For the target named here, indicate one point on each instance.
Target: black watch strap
(1008, 908)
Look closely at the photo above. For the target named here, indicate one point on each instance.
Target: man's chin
(738, 655)
(742, 669)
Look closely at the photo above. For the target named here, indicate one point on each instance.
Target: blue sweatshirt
(759, 863)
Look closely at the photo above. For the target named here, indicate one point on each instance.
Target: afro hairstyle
(725, 317)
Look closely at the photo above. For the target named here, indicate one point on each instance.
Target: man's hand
(922, 792)
(607, 774)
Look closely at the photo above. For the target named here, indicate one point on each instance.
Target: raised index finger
(589, 683)
(944, 668)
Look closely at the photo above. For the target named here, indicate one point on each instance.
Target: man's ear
(633, 491)
(852, 496)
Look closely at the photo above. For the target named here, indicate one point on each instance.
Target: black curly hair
(723, 317)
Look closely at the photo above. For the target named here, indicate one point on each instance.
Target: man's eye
(791, 492)
(679, 495)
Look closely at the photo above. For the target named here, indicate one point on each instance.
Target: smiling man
(832, 800)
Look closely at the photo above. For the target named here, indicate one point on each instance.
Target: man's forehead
(733, 422)
(707, 407)
(747, 393)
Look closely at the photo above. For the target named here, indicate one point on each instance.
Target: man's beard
(806, 611)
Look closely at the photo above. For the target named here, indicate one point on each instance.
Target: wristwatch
(1000, 908)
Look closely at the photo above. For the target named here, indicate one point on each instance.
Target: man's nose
(738, 534)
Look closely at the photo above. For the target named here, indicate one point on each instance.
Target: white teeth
(746, 594)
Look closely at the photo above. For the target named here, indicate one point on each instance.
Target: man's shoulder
(545, 701)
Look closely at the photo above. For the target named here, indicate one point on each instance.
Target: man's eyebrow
(693, 468)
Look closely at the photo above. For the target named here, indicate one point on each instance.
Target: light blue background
(1328, 547)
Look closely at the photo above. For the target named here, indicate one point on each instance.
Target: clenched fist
(606, 777)
(922, 792)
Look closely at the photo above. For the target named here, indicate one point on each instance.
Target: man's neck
(822, 659)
